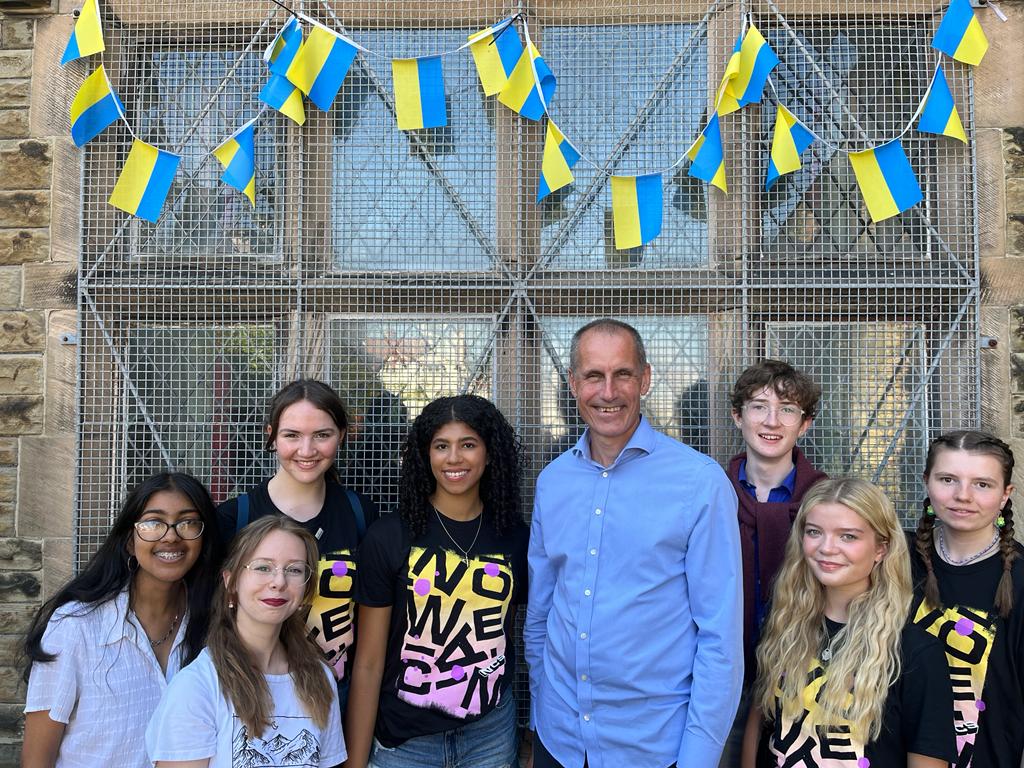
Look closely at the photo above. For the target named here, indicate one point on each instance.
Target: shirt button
(586, 592)
(583, 635)
(583, 677)
(587, 717)
(604, 474)
(597, 511)
(593, 551)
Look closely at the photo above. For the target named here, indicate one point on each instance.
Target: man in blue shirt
(634, 628)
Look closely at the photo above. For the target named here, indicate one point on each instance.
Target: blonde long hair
(868, 661)
(242, 683)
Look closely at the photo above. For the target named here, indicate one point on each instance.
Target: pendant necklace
(165, 638)
(944, 553)
(826, 652)
(465, 552)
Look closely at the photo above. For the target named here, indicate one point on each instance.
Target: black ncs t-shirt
(985, 656)
(331, 618)
(915, 716)
(451, 650)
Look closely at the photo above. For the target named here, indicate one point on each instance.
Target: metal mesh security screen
(400, 266)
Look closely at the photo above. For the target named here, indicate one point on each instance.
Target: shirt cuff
(696, 751)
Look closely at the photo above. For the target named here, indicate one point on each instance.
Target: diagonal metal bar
(639, 121)
(877, 408)
(195, 123)
(919, 391)
(119, 362)
(862, 132)
(421, 151)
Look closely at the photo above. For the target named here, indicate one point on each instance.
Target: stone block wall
(39, 199)
(37, 300)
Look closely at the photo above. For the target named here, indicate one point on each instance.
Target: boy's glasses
(789, 415)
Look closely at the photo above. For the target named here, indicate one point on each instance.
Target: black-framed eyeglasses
(153, 530)
(265, 570)
(788, 415)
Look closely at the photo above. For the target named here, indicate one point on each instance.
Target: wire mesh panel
(403, 265)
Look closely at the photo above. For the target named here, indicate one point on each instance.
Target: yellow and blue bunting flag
(87, 36)
(939, 114)
(636, 209)
(419, 93)
(282, 95)
(789, 140)
(960, 34)
(747, 72)
(559, 158)
(708, 156)
(321, 64)
(280, 53)
(94, 108)
(145, 180)
(520, 92)
(237, 154)
(496, 51)
(886, 180)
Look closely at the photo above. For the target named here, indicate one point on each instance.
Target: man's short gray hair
(606, 325)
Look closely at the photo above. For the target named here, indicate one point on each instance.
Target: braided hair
(979, 443)
(502, 478)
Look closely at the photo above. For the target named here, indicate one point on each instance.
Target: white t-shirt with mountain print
(193, 721)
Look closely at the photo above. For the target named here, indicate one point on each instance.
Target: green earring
(929, 511)
(1000, 521)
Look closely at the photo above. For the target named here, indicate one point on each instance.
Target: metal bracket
(70, 338)
(988, 342)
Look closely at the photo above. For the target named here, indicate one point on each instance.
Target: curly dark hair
(502, 478)
(788, 382)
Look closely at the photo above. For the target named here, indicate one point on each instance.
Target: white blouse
(104, 684)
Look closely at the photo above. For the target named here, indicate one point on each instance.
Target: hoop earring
(133, 567)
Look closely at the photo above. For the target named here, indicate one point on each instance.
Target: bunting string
(314, 63)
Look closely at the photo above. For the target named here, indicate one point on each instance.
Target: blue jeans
(490, 742)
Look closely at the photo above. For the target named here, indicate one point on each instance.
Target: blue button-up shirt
(777, 494)
(634, 626)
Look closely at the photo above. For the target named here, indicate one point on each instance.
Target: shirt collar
(119, 622)
(788, 482)
(641, 442)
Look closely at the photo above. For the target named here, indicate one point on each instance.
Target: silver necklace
(944, 553)
(162, 640)
(826, 652)
(465, 552)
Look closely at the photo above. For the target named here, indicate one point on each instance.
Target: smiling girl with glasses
(102, 650)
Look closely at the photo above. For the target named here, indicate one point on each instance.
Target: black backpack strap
(357, 510)
(242, 517)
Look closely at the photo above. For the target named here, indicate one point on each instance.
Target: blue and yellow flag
(939, 114)
(636, 209)
(280, 53)
(559, 158)
(886, 180)
(87, 37)
(95, 107)
(237, 154)
(145, 180)
(496, 51)
(747, 72)
(520, 92)
(419, 93)
(789, 140)
(960, 34)
(282, 95)
(707, 155)
(321, 64)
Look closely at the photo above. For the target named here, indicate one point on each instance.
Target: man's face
(608, 385)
